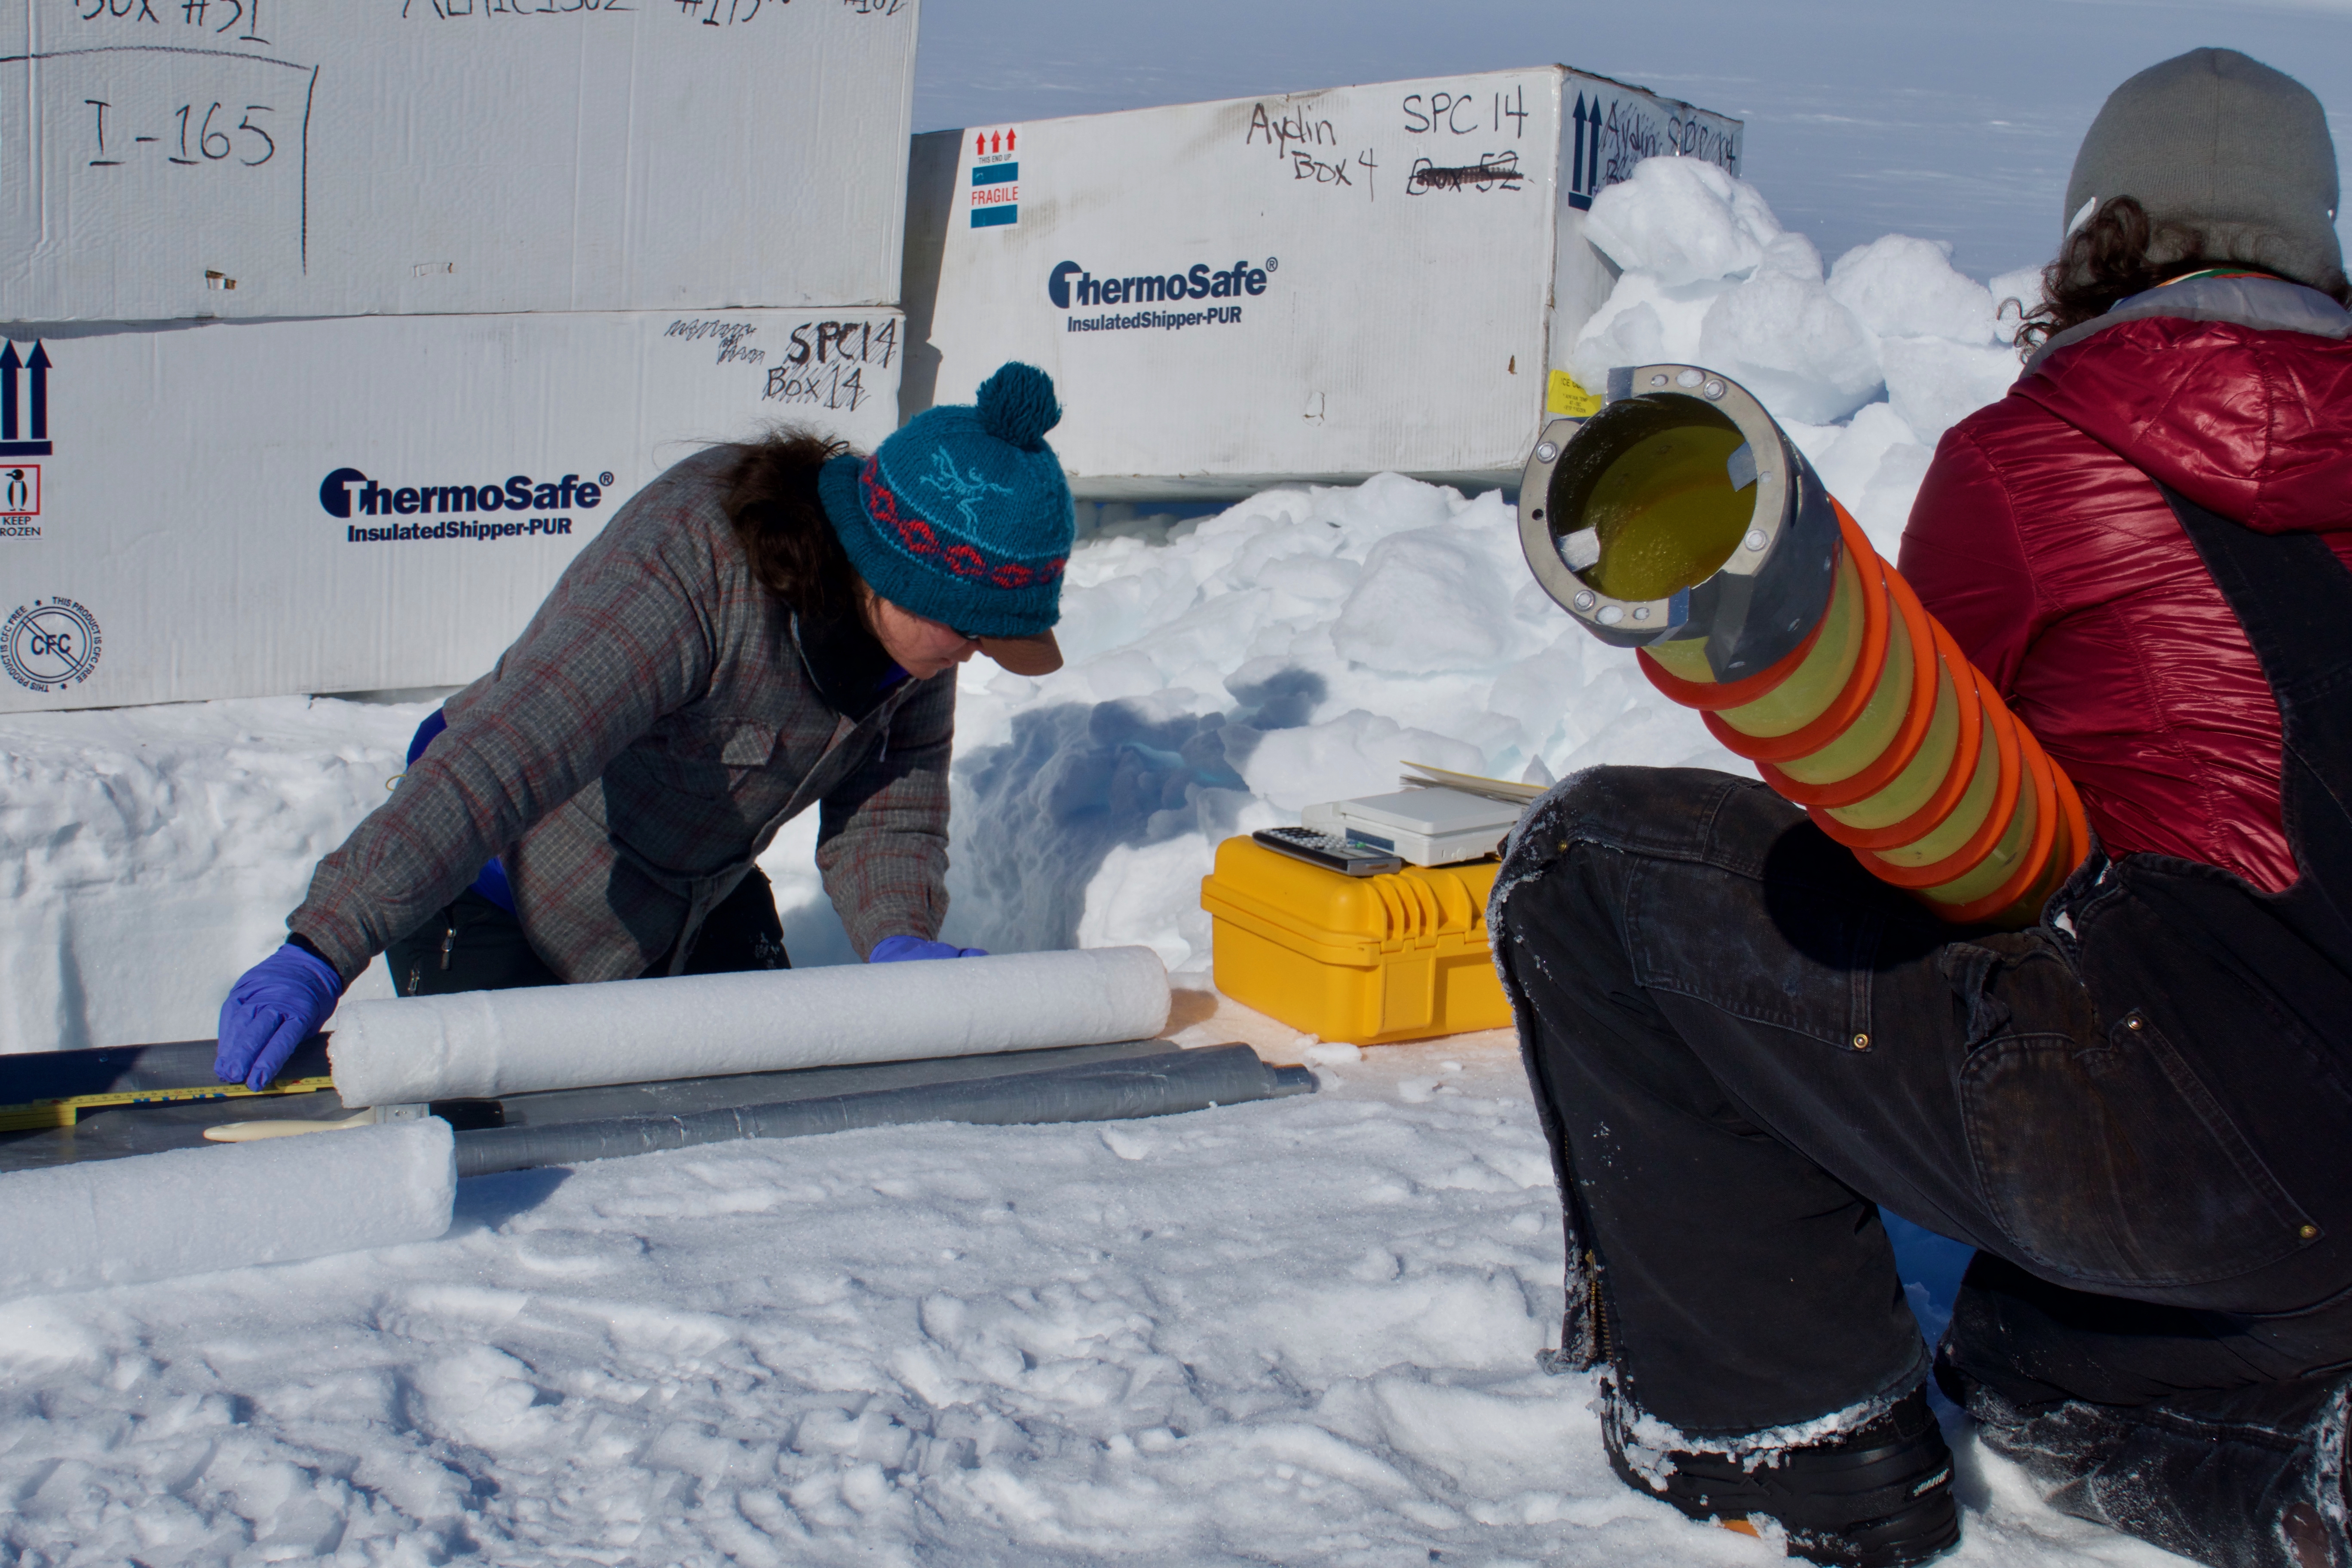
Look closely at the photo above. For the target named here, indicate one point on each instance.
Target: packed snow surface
(1301, 1332)
(1297, 1331)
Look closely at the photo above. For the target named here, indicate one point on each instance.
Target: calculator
(1332, 852)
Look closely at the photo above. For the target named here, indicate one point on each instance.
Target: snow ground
(1297, 1332)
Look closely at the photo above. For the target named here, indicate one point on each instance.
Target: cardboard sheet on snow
(302, 157)
(259, 510)
(1325, 285)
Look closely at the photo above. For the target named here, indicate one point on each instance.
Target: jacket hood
(2235, 392)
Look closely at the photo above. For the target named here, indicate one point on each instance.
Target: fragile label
(995, 192)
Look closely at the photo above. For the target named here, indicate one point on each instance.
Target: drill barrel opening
(1680, 516)
(1654, 484)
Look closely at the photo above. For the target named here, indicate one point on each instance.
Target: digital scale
(1444, 819)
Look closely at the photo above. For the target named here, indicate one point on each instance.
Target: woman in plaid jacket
(764, 628)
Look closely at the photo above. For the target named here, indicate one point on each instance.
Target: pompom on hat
(2216, 142)
(963, 517)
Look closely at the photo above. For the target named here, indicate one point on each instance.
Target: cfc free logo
(50, 644)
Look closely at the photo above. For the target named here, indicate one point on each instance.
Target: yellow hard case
(1363, 959)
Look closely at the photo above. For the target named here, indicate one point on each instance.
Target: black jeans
(1741, 1045)
(474, 945)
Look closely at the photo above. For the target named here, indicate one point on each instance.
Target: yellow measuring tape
(66, 1109)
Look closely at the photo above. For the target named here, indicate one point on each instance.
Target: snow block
(1710, 278)
(487, 1043)
(234, 159)
(256, 509)
(158, 1217)
(1323, 285)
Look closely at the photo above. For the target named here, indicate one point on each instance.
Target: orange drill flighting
(1682, 522)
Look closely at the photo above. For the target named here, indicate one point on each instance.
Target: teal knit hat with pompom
(964, 515)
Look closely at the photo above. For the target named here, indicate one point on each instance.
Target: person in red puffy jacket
(2042, 541)
(2139, 1110)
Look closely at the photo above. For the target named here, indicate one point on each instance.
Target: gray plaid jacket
(632, 753)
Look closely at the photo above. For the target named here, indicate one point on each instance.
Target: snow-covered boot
(1877, 1497)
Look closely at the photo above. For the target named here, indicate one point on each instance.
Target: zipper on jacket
(1602, 1351)
(448, 943)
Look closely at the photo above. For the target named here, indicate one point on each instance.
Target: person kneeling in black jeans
(2139, 1111)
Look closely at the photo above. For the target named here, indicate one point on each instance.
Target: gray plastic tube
(1159, 1085)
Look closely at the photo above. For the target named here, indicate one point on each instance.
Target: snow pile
(1891, 337)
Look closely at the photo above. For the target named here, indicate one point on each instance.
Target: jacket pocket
(2107, 1161)
(748, 746)
(711, 759)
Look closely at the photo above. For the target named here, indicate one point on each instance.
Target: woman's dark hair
(2107, 261)
(2102, 262)
(772, 499)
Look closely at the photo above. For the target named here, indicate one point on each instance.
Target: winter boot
(1877, 1497)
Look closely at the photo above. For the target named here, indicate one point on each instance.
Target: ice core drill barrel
(1681, 520)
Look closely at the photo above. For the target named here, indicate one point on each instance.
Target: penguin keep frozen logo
(20, 494)
(50, 644)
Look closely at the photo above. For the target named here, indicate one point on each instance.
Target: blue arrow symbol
(39, 365)
(1576, 168)
(9, 365)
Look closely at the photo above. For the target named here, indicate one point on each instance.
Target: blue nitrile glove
(898, 948)
(273, 1006)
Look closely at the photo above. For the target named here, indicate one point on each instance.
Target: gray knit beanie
(2216, 142)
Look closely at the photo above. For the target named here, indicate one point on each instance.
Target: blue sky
(1955, 120)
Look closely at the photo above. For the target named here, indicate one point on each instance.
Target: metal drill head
(1681, 510)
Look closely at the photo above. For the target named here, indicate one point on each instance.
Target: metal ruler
(36, 1114)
